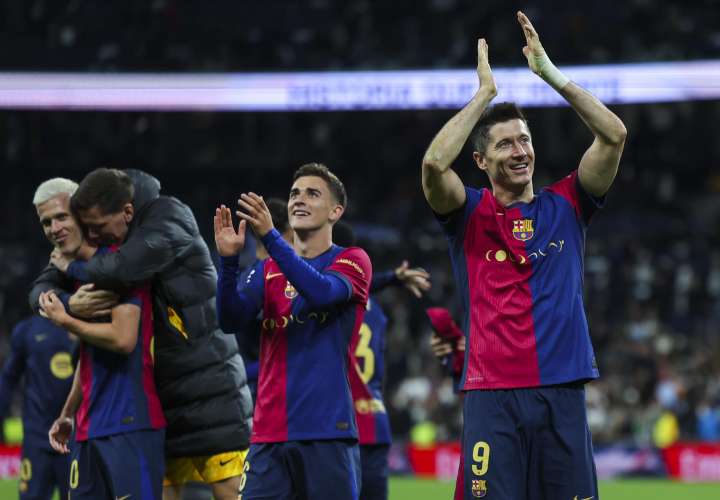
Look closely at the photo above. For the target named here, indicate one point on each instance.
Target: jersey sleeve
(238, 303)
(13, 368)
(352, 265)
(453, 223)
(584, 204)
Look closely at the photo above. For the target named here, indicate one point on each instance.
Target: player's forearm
(603, 123)
(103, 335)
(74, 398)
(317, 289)
(383, 280)
(234, 309)
(448, 143)
(50, 279)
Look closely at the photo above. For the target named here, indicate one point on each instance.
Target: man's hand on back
(88, 303)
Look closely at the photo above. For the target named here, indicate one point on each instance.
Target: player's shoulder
(31, 323)
(351, 253)
(354, 257)
(561, 186)
(474, 196)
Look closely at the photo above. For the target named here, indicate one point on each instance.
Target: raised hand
(415, 279)
(59, 434)
(227, 240)
(256, 213)
(487, 81)
(537, 58)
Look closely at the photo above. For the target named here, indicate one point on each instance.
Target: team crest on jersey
(290, 291)
(523, 229)
(479, 488)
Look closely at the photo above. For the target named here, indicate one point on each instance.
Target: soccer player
(367, 380)
(517, 259)
(119, 424)
(313, 296)
(41, 353)
(199, 375)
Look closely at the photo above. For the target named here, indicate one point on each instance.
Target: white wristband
(549, 72)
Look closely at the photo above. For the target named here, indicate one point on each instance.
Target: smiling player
(518, 262)
(313, 296)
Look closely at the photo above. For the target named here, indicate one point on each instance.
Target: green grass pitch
(402, 488)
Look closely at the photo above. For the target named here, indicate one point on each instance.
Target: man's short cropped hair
(499, 113)
(52, 188)
(279, 213)
(109, 189)
(319, 170)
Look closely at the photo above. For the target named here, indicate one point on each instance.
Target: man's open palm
(227, 240)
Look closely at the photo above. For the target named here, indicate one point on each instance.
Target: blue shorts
(128, 465)
(532, 444)
(302, 470)
(374, 460)
(41, 471)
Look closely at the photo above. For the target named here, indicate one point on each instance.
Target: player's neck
(85, 252)
(506, 196)
(311, 243)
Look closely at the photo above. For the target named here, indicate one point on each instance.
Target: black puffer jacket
(199, 375)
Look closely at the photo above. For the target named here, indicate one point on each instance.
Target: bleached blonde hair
(52, 188)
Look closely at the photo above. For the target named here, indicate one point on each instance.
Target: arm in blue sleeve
(235, 308)
(12, 370)
(383, 280)
(252, 369)
(317, 288)
(77, 270)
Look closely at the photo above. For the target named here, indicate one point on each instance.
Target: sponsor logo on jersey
(61, 365)
(523, 229)
(285, 320)
(502, 256)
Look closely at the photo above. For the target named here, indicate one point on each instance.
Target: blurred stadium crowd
(652, 268)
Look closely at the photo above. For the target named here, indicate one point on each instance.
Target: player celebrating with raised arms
(518, 262)
(312, 296)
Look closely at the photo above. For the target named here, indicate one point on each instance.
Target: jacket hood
(147, 188)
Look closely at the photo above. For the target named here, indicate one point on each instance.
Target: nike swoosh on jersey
(41, 337)
(270, 276)
(123, 497)
(222, 464)
(586, 498)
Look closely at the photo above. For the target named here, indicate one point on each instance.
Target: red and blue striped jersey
(366, 380)
(519, 271)
(303, 388)
(118, 390)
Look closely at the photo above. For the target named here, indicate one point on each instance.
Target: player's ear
(335, 213)
(480, 160)
(128, 212)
